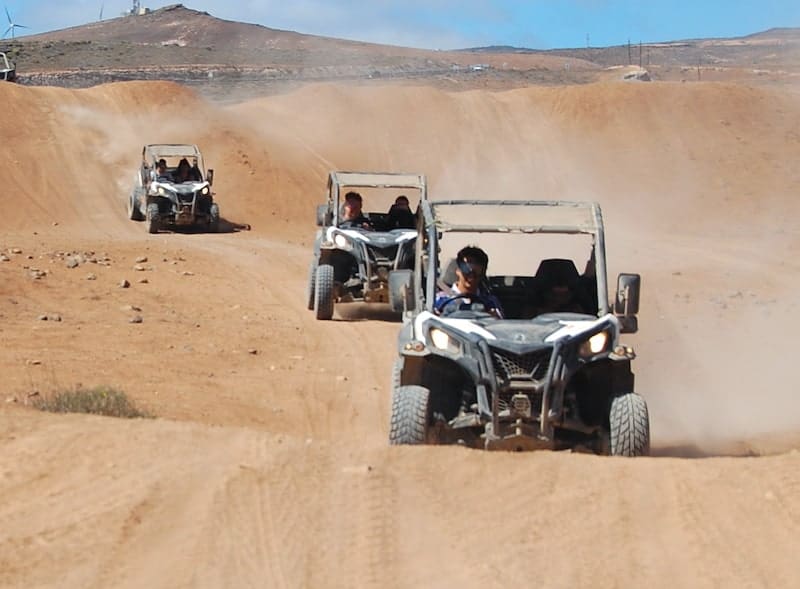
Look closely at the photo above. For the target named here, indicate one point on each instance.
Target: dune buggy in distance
(162, 198)
(8, 71)
(353, 262)
(550, 374)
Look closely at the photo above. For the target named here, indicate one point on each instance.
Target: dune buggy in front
(552, 372)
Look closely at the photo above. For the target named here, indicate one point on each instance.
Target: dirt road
(268, 463)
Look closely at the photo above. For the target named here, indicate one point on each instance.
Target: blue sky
(449, 24)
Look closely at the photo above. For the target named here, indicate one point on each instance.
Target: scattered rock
(50, 317)
(252, 351)
(132, 308)
(36, 274)
(4, 258)
(72, 263)
(143, 281)
(141, 259)
(136, 319)
(11, 400)
(34, 363)
(124, 284)
(91, 276)
(341, 378)
(15, 250)
(139, 268)
(188, 273)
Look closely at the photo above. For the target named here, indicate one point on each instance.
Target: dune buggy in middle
(172, 189)
(354, 256)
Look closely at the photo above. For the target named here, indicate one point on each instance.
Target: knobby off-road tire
(397, 369)
(152, 218)
(323, 292)
(411, 415)
(311, 285)
(629, 426)
(213, 218)
(134, 213)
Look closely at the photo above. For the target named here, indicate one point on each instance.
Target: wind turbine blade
(22, 26)
(6, 33)
(8, 16)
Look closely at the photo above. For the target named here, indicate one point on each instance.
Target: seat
(401, 218)
(558, 288)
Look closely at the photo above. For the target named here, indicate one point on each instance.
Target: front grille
(384, 254)
(532, 366)
(504, 400)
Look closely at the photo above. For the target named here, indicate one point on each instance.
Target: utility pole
(629, 51)
(587, 40)
(640, 54)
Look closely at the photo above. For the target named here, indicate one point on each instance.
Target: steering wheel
(487, 304)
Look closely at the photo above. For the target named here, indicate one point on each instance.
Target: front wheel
(311, 285)
(213, 218)
(629, 425)
(411, 415)
(323, 292)
(134, 213)
(152, 218)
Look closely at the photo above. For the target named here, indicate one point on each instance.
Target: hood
(521, 336)
(380, 239)
(182, 188)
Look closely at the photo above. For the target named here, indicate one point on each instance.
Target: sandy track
(268, 465)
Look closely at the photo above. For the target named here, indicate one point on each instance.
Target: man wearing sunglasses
(469, 292)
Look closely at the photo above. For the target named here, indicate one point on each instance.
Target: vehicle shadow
(225, 226)
(351, 312)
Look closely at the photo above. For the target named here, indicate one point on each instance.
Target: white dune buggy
(552, 371)
(353, 262)
(162, 199)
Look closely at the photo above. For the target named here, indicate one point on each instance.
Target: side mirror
(626, 302)
(401, 290)
(324, 216)
(210, 177)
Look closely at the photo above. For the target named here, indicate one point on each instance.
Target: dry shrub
(97, 401)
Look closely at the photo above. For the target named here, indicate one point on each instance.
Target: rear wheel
(323, 292)
(411, 415)
(310, 286)
(152, 218)
(213, 218)
(629, 425)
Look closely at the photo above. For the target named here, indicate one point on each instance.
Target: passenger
(469, 291)
(400, 215)
(184, 172)
(352, 215)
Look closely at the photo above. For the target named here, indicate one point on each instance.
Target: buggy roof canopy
(378, 180)
(170, 150)
(523, 216)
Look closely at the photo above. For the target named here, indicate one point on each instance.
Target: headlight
(596, 344)
(442, 341)
(205, 190)
(161, 191)
(342, 241)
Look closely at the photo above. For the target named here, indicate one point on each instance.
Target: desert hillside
(268, 462)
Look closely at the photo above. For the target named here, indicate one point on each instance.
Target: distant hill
(189, 46)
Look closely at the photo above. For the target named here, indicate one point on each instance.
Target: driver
(469, 291)
(352, 216)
